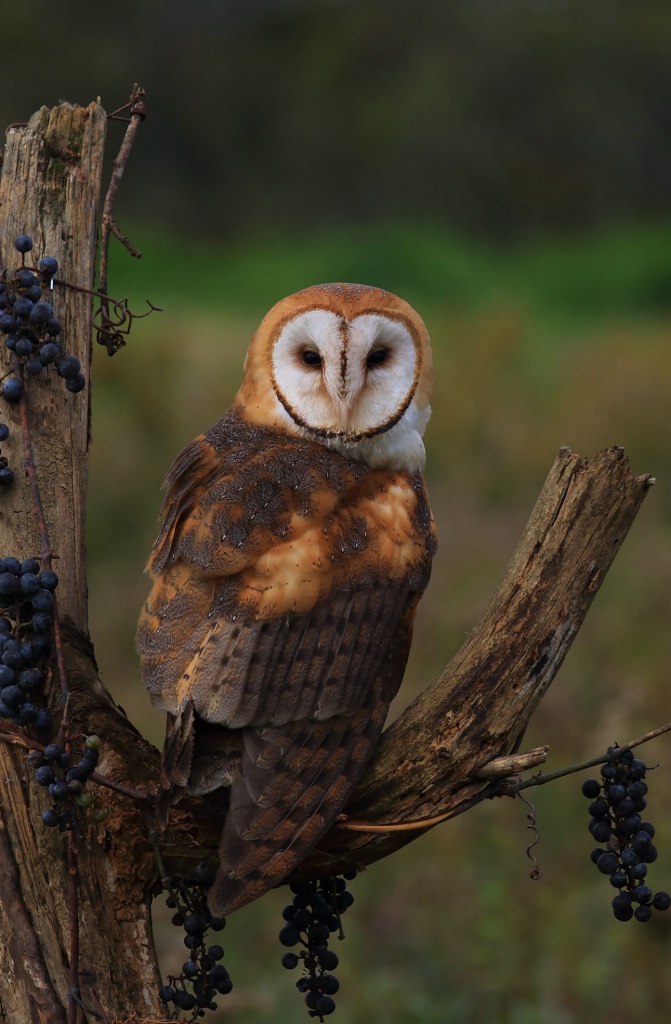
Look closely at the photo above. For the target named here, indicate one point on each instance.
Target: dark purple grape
(42, 601)
(625, 808)
(12, 696)
(27, 712)
(600, 830)
(75, 384)
(48, 579)
(640, 841)
(29, 583)
(22, 307)
(12, 389)
(44, 776)
(30, 678)
(49, 353)
(4, 431)
(26, 279)
(48, 266)
(41, 622)
(33, 367)
(325, 1006)
(642, 894)
(591, 788)
(195, 924)
(289, 936)
(8, 324)
(43, 721)
(23, 243)
(607, 863)
(184, 1000)
(69, 366)
(41, 313)
(622, 907)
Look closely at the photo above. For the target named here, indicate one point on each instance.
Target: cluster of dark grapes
(203, 976)
(31, 325)
(26, 625)
(6, 474)
(616, 805)
(311, 918)
(65, 781)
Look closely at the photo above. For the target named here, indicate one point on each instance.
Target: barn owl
(296, 543)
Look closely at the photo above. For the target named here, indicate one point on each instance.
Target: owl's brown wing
(276, 657)
(294, 780)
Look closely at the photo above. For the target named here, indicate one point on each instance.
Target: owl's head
(346, 365)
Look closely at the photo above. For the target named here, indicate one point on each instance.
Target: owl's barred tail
(292, 784)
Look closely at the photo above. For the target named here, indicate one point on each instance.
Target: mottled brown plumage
(285, 582)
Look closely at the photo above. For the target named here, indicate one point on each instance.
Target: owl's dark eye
(311, 358)
(377, 357)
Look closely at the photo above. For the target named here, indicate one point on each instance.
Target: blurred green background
(504, 165)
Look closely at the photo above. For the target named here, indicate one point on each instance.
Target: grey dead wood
(437, 758)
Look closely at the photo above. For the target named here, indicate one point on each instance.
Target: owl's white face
(351, 384)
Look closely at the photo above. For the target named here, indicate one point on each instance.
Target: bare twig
(540, 779)
(112, 339)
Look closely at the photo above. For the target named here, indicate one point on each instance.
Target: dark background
(504, 165)
(503, 118)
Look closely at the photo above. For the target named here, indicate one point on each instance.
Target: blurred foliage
(505, 118)
(540, 351)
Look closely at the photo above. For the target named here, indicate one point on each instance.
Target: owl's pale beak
(344, 411)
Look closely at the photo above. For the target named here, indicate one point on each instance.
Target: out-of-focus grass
(570, 345)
